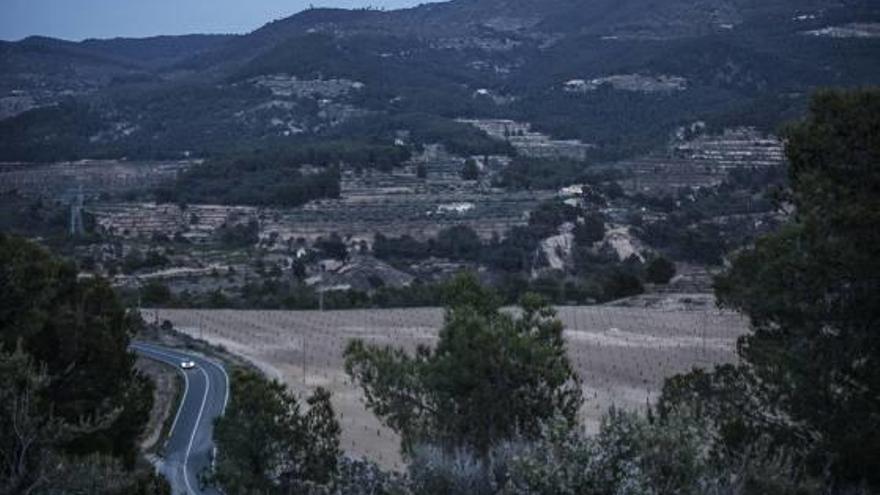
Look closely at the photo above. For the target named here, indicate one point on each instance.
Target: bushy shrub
(438, 471)
(359, 477)
(679, 454)
(660, 271)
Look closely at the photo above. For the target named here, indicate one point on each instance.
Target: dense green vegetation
(28, 217)
(688, 230)
(759, 74)
(470, 170)
(514, 252)
(277, 293)
(136, 260)
(425, 128)
(68, 127)
(238, 235)
(660, 271)
(70, 399)
(532, 173)
(808, 374)
(597, 275)
(402, 74)
(269, 443)
(490, 377)
(289, 175)
(810, 291)
(149, 122)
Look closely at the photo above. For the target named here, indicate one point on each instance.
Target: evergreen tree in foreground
(72, 406)
(810, 379)
(492, 376)
(268, 443)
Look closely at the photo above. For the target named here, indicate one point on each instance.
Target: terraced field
(622, 354)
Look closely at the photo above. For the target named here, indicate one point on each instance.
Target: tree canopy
(660, 270)
(72, 406)
(492, 376)
(810, 290)
(268, 444)
(80, 331)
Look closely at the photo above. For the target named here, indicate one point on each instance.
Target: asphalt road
(189, 448)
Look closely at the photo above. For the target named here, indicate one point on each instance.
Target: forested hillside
(621, 75)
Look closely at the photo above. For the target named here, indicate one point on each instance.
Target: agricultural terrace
(622, 354)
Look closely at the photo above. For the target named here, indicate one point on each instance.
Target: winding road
(189, 448)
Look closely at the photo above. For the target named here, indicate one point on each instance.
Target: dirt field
(622, 354)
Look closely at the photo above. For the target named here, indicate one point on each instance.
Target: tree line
(275, 176)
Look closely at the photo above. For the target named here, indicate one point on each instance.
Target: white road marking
(180, 407)
(185, 380)
(201, 409)
(226, 379)
(195, 430)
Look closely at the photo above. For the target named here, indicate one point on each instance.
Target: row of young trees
(492, 407)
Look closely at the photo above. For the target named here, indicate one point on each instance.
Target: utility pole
(76, 221)
(304, 353)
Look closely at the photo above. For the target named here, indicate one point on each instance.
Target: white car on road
(187, 365)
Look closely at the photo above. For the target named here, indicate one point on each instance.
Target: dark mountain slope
(129, 52)
(244, 48)
(38, 71)
(741, 62)
(35, 52)
(158, 51)
(529, 19)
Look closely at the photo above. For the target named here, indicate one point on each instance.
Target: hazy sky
(79, 19)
